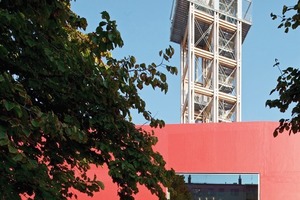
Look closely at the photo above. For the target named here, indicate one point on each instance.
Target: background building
(217, 191)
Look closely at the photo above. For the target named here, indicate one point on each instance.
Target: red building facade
(244, 147)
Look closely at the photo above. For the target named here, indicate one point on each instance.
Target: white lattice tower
(210, 34)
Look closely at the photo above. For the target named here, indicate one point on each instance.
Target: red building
(244, 147)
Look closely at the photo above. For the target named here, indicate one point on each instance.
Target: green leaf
(102, 23)
(35, 123)
(30, 42)
(68, 119)
(3, 51)
(18, 157)
(83, 23)
(8, 105)
(61, 67)
(105, 83)
(18, 111)
(163, 77)
(275, 133)
(273, 16)
(26, 131)
(32, 164)
(160, 52)
(1, 78)
(3, 133)
(111, 37)
(284, 9)
(105, 15)
(3, 136)
(140, 85)
(132, 60)
(12, 149)
(286, 30)
(101, 185)
(4, 142)
(166, 57)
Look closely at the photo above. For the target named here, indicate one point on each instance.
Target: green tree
(178, 189)
(288, 83)
(65, 104)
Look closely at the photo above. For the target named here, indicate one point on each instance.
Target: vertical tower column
(191, 62)
(239, 41)
(182, 64)
(215, 108)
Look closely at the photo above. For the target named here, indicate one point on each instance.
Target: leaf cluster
(288, 83)
(65, 105)
(290, 17)
(288, 89)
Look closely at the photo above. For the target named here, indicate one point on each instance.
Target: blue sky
(223, 178)
(145, 29)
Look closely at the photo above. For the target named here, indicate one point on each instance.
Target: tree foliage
(179, 190)
(288, 83)
(65, 104)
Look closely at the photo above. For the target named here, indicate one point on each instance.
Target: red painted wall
(245, 147)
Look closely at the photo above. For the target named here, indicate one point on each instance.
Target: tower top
(179, 14)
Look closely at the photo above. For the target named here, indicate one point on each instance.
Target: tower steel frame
(210, 34)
